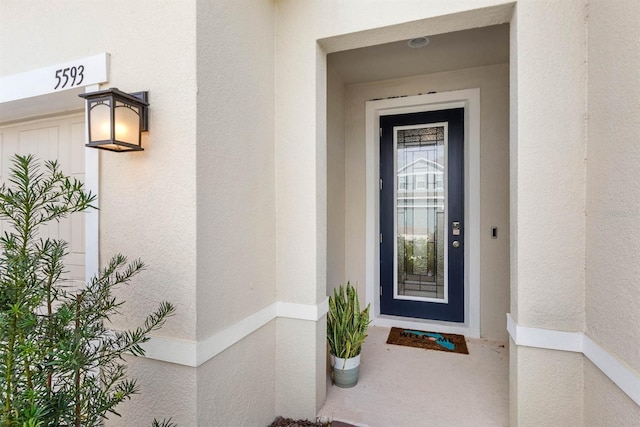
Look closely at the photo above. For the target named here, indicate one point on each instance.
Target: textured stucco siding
(604, 403)
(166, 391)
(550, 167)
(613, 204)
(235, 175)
(336, 230)
(235, 162)
(300, 362)
(550, 388)
(548, 147)
(237, 387)
(613, 193)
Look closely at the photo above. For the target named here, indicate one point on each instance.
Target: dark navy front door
(422, 214)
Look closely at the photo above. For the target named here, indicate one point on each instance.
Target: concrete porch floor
(411, 387)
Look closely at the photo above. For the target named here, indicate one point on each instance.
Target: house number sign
(55, 78)
(69, 73)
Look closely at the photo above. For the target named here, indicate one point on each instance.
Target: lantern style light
(116, 119)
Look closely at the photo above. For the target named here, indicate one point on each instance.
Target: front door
(422, 214)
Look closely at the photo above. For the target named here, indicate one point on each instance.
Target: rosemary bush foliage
(59, 364)
(164, 423)
(346, 324)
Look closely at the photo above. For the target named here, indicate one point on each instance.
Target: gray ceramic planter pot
(345, 371)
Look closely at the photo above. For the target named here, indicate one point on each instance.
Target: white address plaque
(56, 78)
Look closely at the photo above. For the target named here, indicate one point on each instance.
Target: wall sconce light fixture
(116, 119)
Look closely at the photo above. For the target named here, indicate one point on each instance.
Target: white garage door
(60, 139)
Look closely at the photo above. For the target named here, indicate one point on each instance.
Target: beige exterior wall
(548, 147)
(613, 204)
(604, 403)
(550, 388)
(550, 167)
(235, 164)
(336, 230)
(235, 174)
(237, 387)
(167, 390)
(493, 82)
(300, 362)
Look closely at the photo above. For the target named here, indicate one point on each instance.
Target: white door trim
(469, 99)
(92, 216)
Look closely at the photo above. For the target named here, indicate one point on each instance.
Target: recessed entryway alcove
(455, 62)
(461, 60)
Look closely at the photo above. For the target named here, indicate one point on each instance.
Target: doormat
(451, 343)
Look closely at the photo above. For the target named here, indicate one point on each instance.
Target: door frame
(469, 99)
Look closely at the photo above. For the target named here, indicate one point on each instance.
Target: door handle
(456, 244)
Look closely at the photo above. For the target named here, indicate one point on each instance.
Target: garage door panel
(60, 139)
(77, 156)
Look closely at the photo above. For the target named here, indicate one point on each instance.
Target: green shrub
(59, 364)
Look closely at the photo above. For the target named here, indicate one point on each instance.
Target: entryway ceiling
(445, 52)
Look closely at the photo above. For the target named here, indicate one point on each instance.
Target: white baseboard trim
(621, 375)
(544, 338)
(195, 353)
(626, 379)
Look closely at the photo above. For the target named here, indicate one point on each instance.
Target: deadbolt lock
(456, 244)
(455, 227)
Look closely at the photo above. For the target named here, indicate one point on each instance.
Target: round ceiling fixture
(418, 42)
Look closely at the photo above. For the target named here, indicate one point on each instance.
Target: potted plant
(346, 331)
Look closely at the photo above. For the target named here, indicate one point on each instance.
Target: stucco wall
(548, 143)
(336, 230)
(551, 143)
(550, 388)
(613, 203)
(604, 403)
(236, 206)
(237, 387)
(493, 82)
(235, 163)
(300, 361)
(613, 196)
(166, 391)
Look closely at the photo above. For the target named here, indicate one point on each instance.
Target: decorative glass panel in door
(421, 209)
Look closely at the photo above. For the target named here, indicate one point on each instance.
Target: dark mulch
(288, 422)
